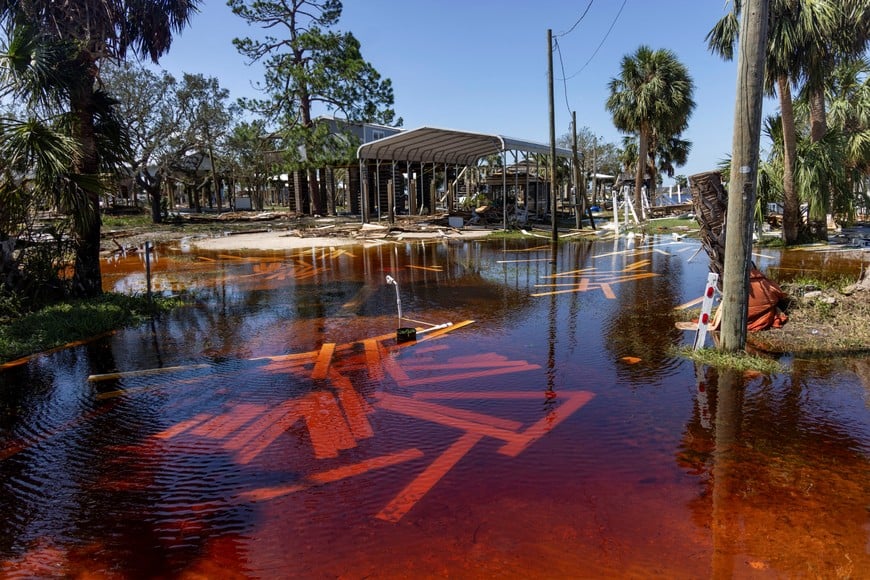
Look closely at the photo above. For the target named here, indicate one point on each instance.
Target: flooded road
(538, 427)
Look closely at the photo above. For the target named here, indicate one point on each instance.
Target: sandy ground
(282, 240)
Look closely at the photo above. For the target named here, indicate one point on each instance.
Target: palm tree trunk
(818, 130)
(791, 212)
(818, 115)
(641, 166)
(87, 278)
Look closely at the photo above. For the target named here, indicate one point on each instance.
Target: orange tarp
(764, 296)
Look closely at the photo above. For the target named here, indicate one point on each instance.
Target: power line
(609, 30)
(582, 16)
(564, 82)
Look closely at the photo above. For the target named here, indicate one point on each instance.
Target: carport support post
(378, 187)
(391, 201)
(412, 192)
(363, 192)
(433, 191)
(504, 189)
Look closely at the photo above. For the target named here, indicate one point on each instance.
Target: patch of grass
(507, 235)
(121, 222)
(668, 225)
(70, 321)
(770, 242)
(738, 361)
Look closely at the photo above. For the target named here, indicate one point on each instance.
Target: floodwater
(275, 428)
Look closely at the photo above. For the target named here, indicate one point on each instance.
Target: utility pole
(744, 172)
(578, 205)
(552, 133)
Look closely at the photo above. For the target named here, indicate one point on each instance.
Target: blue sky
(481, 65)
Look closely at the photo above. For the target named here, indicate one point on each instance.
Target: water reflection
(780, 477)
(275, 427)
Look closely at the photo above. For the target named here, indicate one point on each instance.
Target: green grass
(70, 321)
(739, 361)
(120, 222)
(667, 225)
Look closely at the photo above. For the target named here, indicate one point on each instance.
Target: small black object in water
(406, 334)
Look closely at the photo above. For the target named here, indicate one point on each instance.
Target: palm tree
(848, 101)
(652, 96)
(89, 32)
(805, 39)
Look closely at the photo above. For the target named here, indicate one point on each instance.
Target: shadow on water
(277, 428)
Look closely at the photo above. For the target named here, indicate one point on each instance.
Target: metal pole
(148, 271)
(391, 280)
(504, 188)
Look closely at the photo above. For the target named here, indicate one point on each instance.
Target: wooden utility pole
(552, 133)
(578, 205)
(744, 172)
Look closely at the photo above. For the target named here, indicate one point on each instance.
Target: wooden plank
(294, 408)
(332, 475)
(373, 359)
(685, 305)
(182, 426)
(420, 486)
(435, 413)
(637, 265)
(356, 409)
(327, 428)
(145, 372)
(240, 415)
(470, 375)
(478, 395)
(324, 358)
(450, 366)
(438, 333)
(575, 401)
(608, 292)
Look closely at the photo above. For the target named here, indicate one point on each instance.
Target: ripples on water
(555, 436)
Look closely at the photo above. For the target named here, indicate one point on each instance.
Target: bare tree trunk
(791, 207)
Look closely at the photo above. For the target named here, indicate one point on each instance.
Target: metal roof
(432, 145)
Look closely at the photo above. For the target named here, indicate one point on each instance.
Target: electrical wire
(582, 16)
(609, 30)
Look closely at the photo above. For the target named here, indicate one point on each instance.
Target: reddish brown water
(276, 429)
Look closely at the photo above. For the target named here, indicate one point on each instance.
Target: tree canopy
(652, 98)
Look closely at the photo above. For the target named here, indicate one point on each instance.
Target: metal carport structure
(448, 146)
